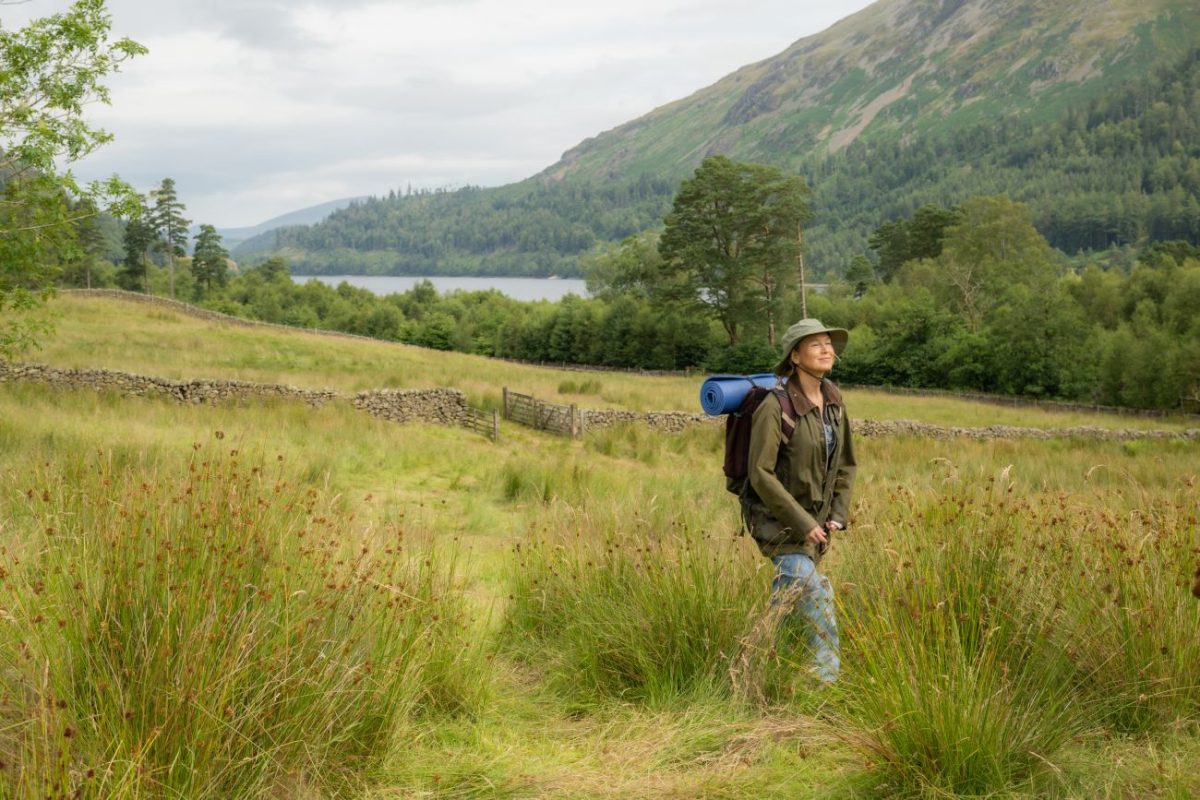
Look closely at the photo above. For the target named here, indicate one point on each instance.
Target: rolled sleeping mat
(723, 394)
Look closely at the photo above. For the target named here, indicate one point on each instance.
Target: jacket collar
(802, 405)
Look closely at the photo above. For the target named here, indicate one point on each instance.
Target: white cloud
(259, 107)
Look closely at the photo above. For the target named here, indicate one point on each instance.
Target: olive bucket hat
(808, 327)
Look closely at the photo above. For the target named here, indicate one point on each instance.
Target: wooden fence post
(574, 427)
(495, 426)
(506, 402)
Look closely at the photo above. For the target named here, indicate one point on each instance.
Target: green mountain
(1088, 110)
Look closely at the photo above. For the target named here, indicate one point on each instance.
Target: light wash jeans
(797, 581)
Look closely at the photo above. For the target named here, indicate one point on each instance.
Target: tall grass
(1081, 628)
(212, 631)
(1128, 619)
(984, 630)
(632, 613)
(952, 686)
(982, 636)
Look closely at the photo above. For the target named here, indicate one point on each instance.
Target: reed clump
(632, 612)
(986, 631)
(213, 630)
(581, 386)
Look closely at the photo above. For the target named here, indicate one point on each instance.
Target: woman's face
(814, 354)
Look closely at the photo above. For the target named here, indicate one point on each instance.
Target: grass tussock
(987, 631)
(632, 613)
(581, 386)
(212, 631)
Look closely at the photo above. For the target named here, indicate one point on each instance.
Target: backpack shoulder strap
(787, 412)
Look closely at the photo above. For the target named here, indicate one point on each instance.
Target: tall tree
(49, 70)
(209, 260)
(138, 238)
(627, 268)
(992, 248)
(731, 242)
(168, 220)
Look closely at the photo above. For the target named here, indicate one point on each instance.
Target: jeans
(797, 581)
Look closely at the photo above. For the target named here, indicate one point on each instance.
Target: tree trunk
(800, 263)
(769, 293)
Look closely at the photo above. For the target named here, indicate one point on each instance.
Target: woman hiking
(798, 491)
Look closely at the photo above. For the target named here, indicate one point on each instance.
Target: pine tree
(168, 221)
(209, 260)
(731, 240)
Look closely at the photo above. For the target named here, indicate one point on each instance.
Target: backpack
(737, 434)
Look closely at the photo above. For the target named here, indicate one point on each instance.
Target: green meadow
(269, 600)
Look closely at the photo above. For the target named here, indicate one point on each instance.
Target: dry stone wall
(445, 406)
(673, 421)
(667, 421)
(442, 406)
(193, 391)
(873, 428)
(449, 406)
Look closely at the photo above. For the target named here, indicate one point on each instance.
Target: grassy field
(94, 332)
(272, 601)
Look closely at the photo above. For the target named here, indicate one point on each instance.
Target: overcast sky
(260, 107)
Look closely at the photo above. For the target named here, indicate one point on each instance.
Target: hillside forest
(1123, 168)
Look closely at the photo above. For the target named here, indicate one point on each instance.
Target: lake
(516, 288)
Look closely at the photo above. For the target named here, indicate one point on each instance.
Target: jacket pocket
(765, 528)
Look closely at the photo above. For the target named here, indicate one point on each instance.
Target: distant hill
(1085, 109)
(231, 237)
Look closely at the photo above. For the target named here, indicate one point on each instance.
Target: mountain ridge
(829, 88)
(921, 88)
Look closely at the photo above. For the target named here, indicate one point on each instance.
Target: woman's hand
(820, 536)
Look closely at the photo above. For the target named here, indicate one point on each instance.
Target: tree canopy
(731, 244)
(50, 70)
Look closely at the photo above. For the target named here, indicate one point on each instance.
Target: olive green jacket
(789, 491)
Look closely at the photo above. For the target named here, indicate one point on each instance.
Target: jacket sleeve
(766, 434)
(844, 480)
